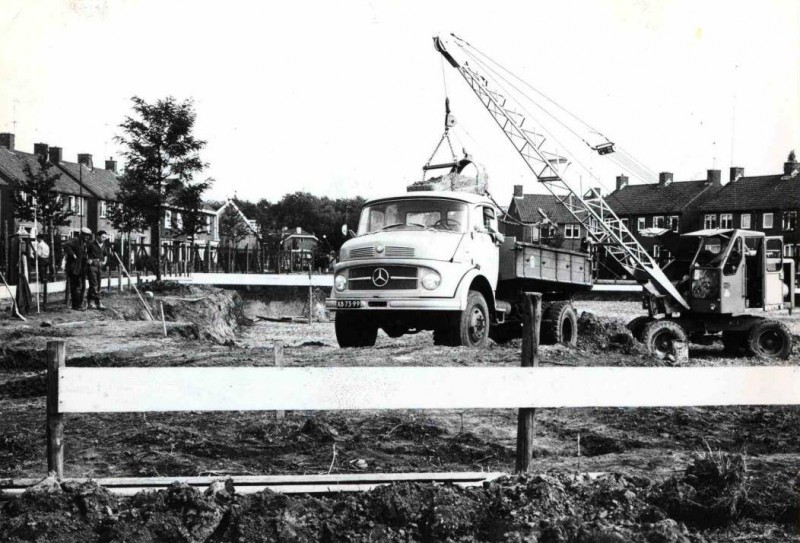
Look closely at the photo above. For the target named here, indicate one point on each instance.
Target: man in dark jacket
(96, 259)
(75, 252)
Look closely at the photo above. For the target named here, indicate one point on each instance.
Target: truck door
(486, 235)
(773, 276)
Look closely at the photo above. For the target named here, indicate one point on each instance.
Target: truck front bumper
(389, 304)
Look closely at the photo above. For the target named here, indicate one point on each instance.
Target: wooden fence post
(56, 355)
(531, 325)
(278, 351)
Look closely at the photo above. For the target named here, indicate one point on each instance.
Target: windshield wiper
(392, 226)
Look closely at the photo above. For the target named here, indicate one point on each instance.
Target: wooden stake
(56, 356)
(278, 352)
(163, 320)
(531, 325)
(138, 280)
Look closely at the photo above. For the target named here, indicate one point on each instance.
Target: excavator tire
(353, 330)
(636, 326)
(666, 340)
(559, 324)
(769, 339)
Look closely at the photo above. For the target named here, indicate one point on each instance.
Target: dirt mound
(554, 507)
(603, 334)
(277, 302)
(216, 312)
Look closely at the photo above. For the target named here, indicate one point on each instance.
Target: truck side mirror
(345, 230)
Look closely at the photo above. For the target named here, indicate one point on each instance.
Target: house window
(656, 251)
(789, 221)
(673, 223)
(726, 220)
(766, 220)
(572, 231)
(640, 224)
(658, 222)
(103, 209)
(745, 221)
(710, 221)
(788, 251)
(167, 220)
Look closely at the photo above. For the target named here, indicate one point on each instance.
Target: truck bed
(542, 268)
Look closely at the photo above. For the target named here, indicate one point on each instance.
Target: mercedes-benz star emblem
(380, 277)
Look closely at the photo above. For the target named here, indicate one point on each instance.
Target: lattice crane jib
(553, 170)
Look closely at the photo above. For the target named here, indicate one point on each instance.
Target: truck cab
(419, 261)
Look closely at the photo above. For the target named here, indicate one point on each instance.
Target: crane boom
(551, 169)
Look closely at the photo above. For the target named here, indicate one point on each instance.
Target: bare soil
(650, 490)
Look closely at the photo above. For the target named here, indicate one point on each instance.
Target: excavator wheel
(769, 339)
(636, 326)
(559, 324)
(665, 340)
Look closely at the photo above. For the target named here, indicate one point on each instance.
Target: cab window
(734, 259)
(489, 220)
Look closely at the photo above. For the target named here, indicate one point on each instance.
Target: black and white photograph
(370, 270)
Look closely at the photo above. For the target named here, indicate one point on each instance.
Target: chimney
(736, 174)
(622, 181)
(111, 165)
(664, 179)
(517, 190)
(714, 177)
(7, 141)
(791, 167)
(40, 149)
(55, 155)
(86, 160)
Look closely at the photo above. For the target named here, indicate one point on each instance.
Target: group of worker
(86, 255)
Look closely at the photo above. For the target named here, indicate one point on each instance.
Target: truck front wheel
(473, 322)
(353, 330)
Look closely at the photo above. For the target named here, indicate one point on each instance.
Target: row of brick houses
(89, 191)
(768, 203)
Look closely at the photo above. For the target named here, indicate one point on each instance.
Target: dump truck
(436, 260)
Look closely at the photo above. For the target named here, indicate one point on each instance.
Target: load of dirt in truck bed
(705, 503)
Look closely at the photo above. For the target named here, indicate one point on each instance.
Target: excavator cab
(734, 270)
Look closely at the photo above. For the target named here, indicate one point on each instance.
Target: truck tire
(471, 328)
(665, 340)
(636, 326)
(559, 324)
(353, 330)
(769, 339)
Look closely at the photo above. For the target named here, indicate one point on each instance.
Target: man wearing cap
(75, 252)
(96, 259)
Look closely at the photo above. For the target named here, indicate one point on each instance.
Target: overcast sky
(346, 98)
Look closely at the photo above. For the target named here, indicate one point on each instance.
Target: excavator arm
(552, 170)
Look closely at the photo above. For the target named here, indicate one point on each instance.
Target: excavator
(732, 271)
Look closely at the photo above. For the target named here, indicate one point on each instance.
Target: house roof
(250, 223)
(655, 198)
(104, 183)
(528, 208)
(12, 169)
(756, 193)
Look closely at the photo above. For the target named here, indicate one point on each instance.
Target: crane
(552, 169)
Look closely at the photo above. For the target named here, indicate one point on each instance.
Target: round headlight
(431, 280)
(340, 282)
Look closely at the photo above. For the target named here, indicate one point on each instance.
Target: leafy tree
(36, 197)
(188, 201)
(792, 156)
(161, 156)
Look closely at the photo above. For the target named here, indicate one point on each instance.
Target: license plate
(348, 304)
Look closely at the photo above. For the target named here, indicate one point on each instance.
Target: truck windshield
(711, 251)
(414, 214)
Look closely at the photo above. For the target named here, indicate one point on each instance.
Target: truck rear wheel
(769, 339)
(353, 330)
(559, 324)
(665, 340)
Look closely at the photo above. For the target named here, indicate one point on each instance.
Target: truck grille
(392, 251)
(395, 277)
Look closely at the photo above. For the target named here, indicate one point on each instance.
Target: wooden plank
(274, 480)
(86, 390)
(56, 357)
(526, 425)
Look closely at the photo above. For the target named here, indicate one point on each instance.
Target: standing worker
(42, 252)
(97, 257)
(75, 254)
